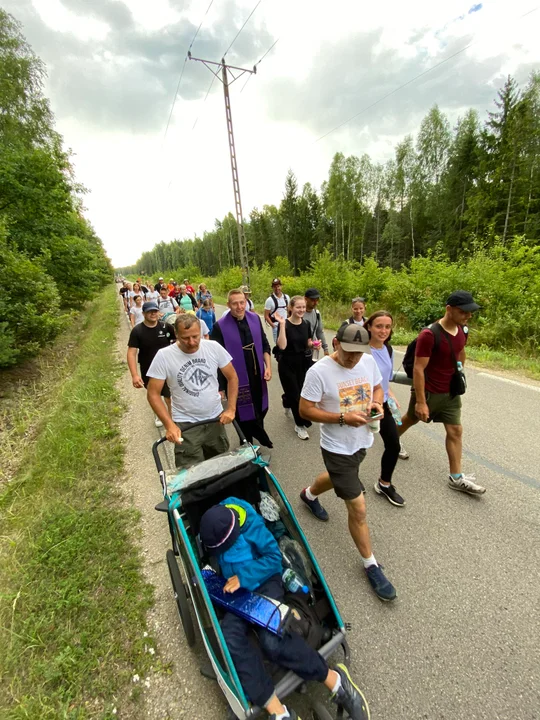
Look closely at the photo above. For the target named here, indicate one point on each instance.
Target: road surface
(462, 639)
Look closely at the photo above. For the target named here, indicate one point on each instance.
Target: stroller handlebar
(157, 443)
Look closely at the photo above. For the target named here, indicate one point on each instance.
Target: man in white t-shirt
(276, 304)
(190, 368)
(341, 391)
(166, 304)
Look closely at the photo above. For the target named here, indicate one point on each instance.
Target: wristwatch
(341, 419)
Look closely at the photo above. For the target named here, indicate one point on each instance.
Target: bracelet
(341, 419)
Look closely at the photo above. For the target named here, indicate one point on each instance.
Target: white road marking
(536, 388)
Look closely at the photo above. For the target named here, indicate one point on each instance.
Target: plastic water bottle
(293, 582)
(392, 404)
(459, 366)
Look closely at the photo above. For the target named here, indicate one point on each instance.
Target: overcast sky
(113, 67)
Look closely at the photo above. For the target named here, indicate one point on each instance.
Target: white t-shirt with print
(152, 295)
(282, 301)
(167, 305)
(192, 379)
(339, 390)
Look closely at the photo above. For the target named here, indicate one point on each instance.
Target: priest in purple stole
(241, 334)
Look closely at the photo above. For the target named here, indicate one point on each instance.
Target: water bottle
(293, 582)
(459, 366)
(392, 404)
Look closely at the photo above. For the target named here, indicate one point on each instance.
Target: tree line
(447, 190)
(51, 260)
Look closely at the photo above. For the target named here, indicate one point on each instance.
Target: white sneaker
(288, 413)
(301, 432)
(157, 422)
(403, 454)
(466, 484)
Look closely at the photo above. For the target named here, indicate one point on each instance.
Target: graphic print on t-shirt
(193, 377)
(354, 395)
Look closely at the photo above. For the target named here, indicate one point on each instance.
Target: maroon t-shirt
(440, 367)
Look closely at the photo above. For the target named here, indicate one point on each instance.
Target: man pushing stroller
(249, 557)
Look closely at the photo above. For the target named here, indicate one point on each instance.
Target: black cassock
(251, 428)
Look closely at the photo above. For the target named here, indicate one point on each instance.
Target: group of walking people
(342, 390)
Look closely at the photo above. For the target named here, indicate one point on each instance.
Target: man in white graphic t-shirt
(341, 391)
(190, 368)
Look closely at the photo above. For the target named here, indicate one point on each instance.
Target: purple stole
(231, 337)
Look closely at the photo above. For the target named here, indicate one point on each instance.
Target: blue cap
(219, 529)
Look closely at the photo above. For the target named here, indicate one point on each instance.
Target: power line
(260, 61)
(243, 26)
(409, 82)
(225, 53)
(183, 69)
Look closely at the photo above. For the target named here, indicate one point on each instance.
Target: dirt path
(176, 689)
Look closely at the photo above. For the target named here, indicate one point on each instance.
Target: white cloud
(113, 112)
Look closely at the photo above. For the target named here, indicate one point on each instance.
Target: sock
(283, 716)
(310, 495)
(383, 484)
(455, 476)
(337, 685)
(368, 562)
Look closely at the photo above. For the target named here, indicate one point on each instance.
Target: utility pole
(222, 74)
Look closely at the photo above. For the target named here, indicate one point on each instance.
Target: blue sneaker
(315, 506)
(380, 583)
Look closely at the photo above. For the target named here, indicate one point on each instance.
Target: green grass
(73, 602)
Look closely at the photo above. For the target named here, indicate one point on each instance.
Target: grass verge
(73, 605)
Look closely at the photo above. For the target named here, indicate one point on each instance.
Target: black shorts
(343, 471)
(165, 391)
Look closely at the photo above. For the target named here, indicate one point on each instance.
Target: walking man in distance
(340, 391)
(438, 349)
(146, 339)
(276, 303)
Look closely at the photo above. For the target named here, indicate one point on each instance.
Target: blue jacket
(255, 556)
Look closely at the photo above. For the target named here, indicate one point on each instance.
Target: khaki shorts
(201, 443)
(442, 408)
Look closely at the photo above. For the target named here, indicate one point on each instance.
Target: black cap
(312, 294)
(219, 529)
(463, 300)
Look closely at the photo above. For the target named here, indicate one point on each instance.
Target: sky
(114, 66)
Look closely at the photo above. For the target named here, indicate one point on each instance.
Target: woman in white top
(379, 326)
(135, 313)
(358, 306)
(152, 293)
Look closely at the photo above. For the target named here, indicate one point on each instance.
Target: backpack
(304, 621)
(408, 358)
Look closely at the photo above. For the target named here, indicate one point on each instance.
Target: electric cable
(409, 82)
(260, 61)
(183, 69)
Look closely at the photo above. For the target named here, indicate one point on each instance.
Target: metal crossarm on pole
(226, 71)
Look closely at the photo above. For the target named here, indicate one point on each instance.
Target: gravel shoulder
(176, 689)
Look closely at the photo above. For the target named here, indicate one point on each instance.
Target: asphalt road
(462, 639)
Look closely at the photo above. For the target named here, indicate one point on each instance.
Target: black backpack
(408, 359)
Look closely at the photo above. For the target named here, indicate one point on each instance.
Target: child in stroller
(249, 557)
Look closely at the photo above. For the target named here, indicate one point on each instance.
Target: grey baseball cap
(353, 338)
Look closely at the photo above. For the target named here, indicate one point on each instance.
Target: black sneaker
(350, 697)
(390, 493)
(380, 583)
(315, 506)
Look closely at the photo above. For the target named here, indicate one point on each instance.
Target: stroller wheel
(181, 598)
(320, 712)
